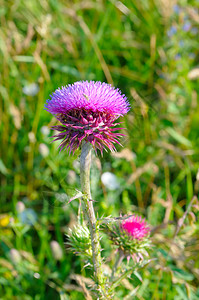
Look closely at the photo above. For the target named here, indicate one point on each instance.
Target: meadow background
(150, 50)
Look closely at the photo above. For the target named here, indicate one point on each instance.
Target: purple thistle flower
(136, 227)
(130, 235)
(87, 111)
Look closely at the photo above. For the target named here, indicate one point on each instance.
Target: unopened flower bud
(80, 241)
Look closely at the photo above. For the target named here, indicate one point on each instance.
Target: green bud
(80, 241)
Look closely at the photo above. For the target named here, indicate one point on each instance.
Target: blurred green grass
(149, 49)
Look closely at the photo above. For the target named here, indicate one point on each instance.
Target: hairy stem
(85, 163)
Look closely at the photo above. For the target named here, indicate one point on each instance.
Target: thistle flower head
(135, 227)
(131, 235)
(87, 111)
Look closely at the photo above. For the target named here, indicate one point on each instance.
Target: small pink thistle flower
(135, 227)
(87, 111)
(130, 235)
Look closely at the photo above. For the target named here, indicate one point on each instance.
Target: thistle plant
(87, 112)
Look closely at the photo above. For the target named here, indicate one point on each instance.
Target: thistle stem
(85, 163)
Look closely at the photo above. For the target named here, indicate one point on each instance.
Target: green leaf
(137, 279)
(178, 137)
(3, 168)
(182, 293)
(63, 296)
(181, 274)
